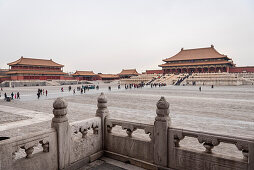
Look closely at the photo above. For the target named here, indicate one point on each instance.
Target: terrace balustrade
(158, 146)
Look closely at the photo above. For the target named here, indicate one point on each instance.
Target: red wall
(249, 69)
(154, 71)
(4, 79)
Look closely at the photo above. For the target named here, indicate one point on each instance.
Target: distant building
(128, 73)
(200, 60)
(35, 69)
(3, 75)
(85, 75)
(247, 69)
(107, 77)
(153, 72)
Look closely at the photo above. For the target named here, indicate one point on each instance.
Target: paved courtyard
(221, 110)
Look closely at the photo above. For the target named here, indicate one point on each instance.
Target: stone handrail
(39, 147)
(210, 140)
(130, 127)
(84, 125)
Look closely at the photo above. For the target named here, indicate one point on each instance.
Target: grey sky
(109, 35)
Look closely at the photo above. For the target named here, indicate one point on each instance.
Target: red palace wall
(4, 79)
(241, 69)
(154, 71)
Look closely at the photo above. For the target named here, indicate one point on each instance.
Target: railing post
(161, 124)
(61, 124)
(102, 112)
(251, 156)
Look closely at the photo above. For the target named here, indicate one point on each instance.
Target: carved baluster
(109, 127)
(244, 148)
(208, 142)
(208, 147)
(149, 131)
(45, 145)
(177, 138)
(129, 129)
(84, 132)
(28, 150)
(95, 130)
(129, 132)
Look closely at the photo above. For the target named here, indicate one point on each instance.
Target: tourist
(15, 96)
(119, 87)
(200, 88)
(12, 95)
(43, 91)
(212, 87)
(18, 95)
(46, 92)
(81, 91)
(109, 88)
(5, 96)
(97, 87)
(1, 89)
(69, 88)
(38, 94)
(73, 91)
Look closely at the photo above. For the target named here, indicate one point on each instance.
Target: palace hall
(199, 60)
(128, 73)
(35, 69)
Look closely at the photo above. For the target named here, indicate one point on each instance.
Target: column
(61, 124)
(102, 112)
(161, 124)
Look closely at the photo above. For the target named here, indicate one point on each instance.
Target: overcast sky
(110, 35)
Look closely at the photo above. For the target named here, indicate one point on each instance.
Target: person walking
(12, 95)
(200, 88)
(38, 95)
(18, 95)
(5, 96)
(46, 92)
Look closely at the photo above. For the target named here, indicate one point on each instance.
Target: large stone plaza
(222, 110)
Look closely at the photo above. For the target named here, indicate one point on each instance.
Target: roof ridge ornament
(181, 49)
(212, 46)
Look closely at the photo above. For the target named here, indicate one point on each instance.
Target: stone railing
(126, 143)
(158, 146)
(182, 157)
(163, 150)
(33, 151)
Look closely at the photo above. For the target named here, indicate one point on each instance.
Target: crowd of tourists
(41, 92)
(12, 95)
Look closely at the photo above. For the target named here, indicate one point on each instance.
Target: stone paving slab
(105, 163)
(9, 117)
